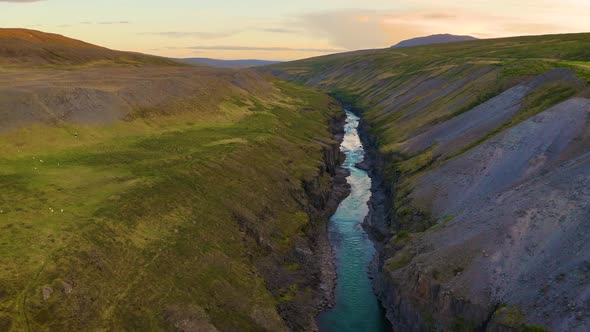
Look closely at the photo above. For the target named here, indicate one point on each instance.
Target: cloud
(206, 35)
(278, 30)
(531, 28)
(197, 34)
(271, 49)
(367, 29)
(114, 22)
(338, 27)
(349, 29)
(378, 28)
(438, 16)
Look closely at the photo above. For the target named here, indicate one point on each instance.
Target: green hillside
(168, 205)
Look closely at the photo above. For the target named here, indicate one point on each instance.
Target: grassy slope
(406, 91)
(23, 47)
(146, 223)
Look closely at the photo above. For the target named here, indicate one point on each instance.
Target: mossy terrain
(158, 221)
(511, 318)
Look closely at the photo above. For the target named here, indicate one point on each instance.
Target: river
(357, 307)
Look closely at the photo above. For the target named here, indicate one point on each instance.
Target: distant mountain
(226, 63)
(434, 39)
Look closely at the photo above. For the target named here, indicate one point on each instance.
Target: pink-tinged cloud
(355, 29)
(280, 31)
(273, 49)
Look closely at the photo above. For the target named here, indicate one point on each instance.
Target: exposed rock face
(453, 135)
(526, 151)
(516, 231)
(434, 39)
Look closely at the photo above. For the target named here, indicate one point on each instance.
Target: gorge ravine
(357, 307)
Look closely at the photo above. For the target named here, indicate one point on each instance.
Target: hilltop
(483, 151)
(25, 47)
(433, 39)
(35, 36)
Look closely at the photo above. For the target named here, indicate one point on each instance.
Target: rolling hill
(483, 153)
(141, 195)
(30, 47)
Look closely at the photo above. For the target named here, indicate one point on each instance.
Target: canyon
(482, 149)
(139, 193)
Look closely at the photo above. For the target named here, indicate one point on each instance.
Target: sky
(285, 29)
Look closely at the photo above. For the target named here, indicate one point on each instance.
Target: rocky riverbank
(310, 263)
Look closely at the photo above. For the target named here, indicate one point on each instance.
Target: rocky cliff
(312, 253)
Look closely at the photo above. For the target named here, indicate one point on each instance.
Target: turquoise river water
(357, 307)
